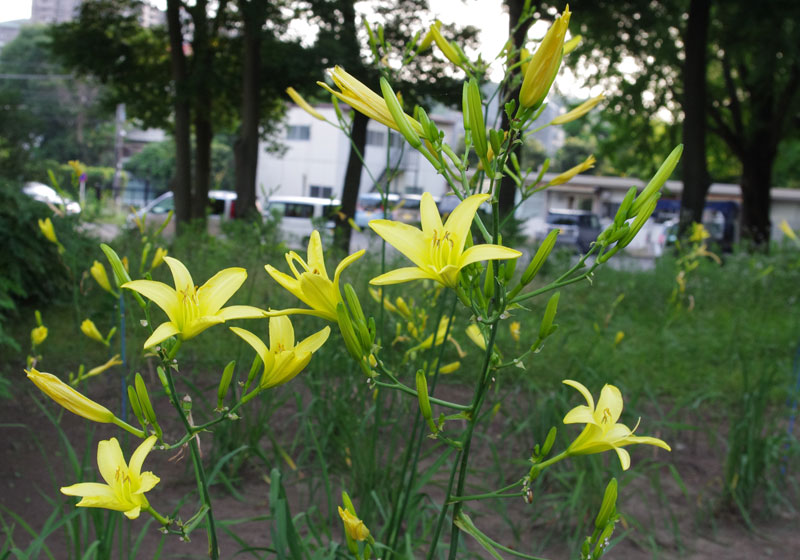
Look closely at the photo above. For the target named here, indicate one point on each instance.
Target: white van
(300, 215)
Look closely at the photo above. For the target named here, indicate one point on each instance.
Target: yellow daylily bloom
(38, 335)
(578, 111)
(438, 249)
(562, 178)
(125, 484)
(283, 360)
(602, 432)
(311, 284)
(474, 333)
(303, 104)
(353, 526)
(190, 309)
(515, 329)
(699, 233)
(90, 329)
(787, 230)
(113, 361)
(98, 272)
(69, 398)
(364, 100)
(46, 227)
(618, 338)
(158, 258)
(449, 368)
(543, 65)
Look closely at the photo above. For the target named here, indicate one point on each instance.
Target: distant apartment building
(316, 156)
(59, 11)
(9, 31)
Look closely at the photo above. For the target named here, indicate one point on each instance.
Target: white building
(316, 155)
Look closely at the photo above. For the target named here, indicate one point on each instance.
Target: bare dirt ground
(678, 525)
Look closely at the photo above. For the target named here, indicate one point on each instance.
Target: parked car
(579, 228)
(370, 207)
(42, 193)
(407, 210)
(300, 215)
(221, 206)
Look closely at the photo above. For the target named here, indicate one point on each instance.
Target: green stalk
(200, 475)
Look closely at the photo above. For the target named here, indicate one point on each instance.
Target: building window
(298, 132)
(411, 189)
(320, 192)
(395, 139)
(376, 138)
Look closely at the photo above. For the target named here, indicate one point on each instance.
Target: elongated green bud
(428, 128)
(348, 334)
(510, 265)
(165, 223)
(608, 254)
(424, 399)
(147, 407)
(638, 222)
(547, 328)
(225, 383)
(496, 138)
(658, 180)
(162, 376)
(399, 116)
(620, 232)
(251, 376)
(137, 408)
(540, 257)
(608, 507)
(145, 252)
(465, 107)
(477, 126)
(488, 280)
(625, 207)
(354, 304)
(548, 442)
(120, 274)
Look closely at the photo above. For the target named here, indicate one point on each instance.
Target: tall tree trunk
(203, 131)
(245, 149)
(352, 181)
(508, 189)
(696, 180)
(756, 183)
(182, 180)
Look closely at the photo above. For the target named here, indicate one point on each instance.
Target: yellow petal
(240, 312)
(109, 459)
(303, 104)
(609, 405)
(257, 344)
(291, 285)
(138, 457)
(487, 252)
(161, 294)
(133, 513)
(316, 260)
(429, 215)
(219, 289)
(624, 458)
(180, 274)
(314, 342)
(162, 333)
(580, 415)
(400, 275)
(583, 391)
(460, 219)
(646, 440)
(281, 333)
(407, 239)
(147, 482)
(199, 325)
(89, 489)
(347, 261)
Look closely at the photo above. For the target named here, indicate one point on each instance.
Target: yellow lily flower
(158, 258)
(190, 309)
(283, 360)
(125, 484)
(474, 333)
(90, 329)
(438, 249)
(112, 361)
(364, 100)
(578, 111)
(787, 230)
(98, 272)
(543, 66)
(38, 335)
(515, 329)
(562, 178)
(353, 526)
(602, 432)
(69, 398)
(699, 233)
(312, 285)
(303, 104)
(46, 227)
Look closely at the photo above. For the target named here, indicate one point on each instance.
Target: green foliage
(156, 163)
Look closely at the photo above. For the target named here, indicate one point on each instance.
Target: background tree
(47, 116)
(343, 40)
